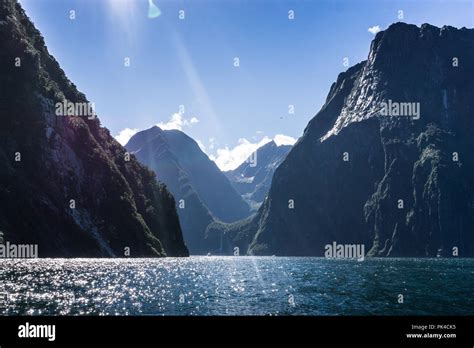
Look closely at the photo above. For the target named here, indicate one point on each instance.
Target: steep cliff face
(202, 191)
(65, 183)
(388, 161)
(252, 179)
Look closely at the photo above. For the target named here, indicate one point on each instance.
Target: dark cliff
(65, 183)
(399, 181)
(203, 193)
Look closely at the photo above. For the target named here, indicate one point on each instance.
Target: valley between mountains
(386, 163)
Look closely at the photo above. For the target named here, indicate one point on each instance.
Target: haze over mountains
(252, 179)
(399, 181)
(65, 183)
(202, 192)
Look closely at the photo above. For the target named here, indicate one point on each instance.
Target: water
(237, 286)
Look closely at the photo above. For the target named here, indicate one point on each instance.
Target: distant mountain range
(252, 179)
(202, 192)
(65, 183)
(387, 162)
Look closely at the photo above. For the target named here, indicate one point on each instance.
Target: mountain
(65, 183)
(202, 191)
(253, 177)
(387, 162)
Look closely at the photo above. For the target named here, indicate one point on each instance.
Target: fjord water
(237, 286)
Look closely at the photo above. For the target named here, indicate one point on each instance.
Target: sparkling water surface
(236, 286)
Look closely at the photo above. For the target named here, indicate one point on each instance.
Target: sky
(232, 74)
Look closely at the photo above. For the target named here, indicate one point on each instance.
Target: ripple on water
(237, 286)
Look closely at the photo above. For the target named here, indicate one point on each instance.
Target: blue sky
(229, 110)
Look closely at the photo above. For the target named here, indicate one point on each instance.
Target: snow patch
(246, 180)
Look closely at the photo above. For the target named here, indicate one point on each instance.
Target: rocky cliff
(65, 183)
(203, 193)
(252, 179)
(387, 162)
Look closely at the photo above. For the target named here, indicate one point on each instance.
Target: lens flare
(153, 10)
